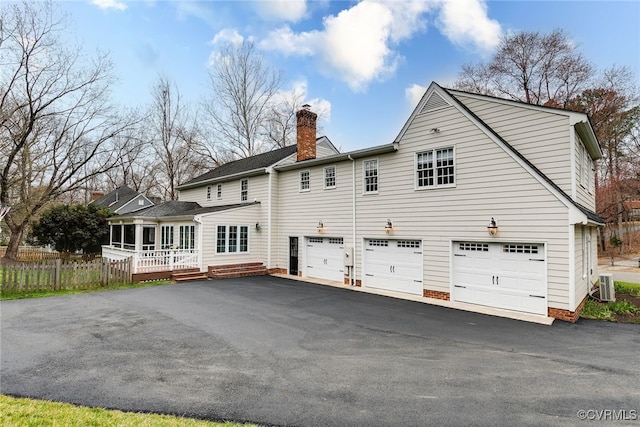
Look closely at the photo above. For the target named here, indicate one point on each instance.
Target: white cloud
(109, 4)
(466, 21)
(282, 10)
(414, 94)
(227, 35)
(359, 44)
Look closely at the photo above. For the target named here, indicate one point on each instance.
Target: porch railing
(155, 260)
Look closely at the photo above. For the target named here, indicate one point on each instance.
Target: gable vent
(434, 102)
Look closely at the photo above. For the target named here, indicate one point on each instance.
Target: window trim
(435, 185)
(208, 192)
(364, 176)
(300, 181)
(187, 234)
(166, 236)
(241, 232)
(219, 192)
(244, 190)
(335, 177)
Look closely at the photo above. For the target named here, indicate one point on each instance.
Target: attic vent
(434, 102)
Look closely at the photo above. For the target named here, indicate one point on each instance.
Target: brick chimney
(306, 133)
(95, 195)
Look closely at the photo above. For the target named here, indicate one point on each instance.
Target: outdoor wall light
(258, 226)
(389, 227)
(320, 226)
(493, 227)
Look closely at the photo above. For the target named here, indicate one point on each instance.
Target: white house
(478, 200)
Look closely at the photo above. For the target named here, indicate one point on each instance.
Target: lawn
(4, 295)
(625, 309)
(39, 413)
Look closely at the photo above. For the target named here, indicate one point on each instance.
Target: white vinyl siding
(544, 138)
(370, 176)
(230, 192)
(584, 175)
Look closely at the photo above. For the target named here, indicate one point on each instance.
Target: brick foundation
(277, 271)
(566, 315)
(436, 294)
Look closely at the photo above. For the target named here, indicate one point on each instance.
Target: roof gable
(116, 198)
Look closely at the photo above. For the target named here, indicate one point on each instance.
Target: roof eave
(589, 138)
(252, 172)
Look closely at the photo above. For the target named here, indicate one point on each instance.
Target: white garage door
(503, 275)
(325, 258)
(394, 265)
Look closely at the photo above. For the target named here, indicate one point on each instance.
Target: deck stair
(229, 271)
(186, 276)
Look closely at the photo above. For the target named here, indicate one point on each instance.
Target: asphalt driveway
(282, 352)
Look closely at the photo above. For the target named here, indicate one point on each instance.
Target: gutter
(366, 152)
(352, 280)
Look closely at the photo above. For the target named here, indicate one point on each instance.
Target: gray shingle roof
(177, 208)
(117, 198)
(244, 165)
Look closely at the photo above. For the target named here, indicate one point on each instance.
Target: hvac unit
(607, 291)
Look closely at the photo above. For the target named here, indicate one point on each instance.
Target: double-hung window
(219, 192)
(208, 192)
(244, 190)
(232, 239)
(436, 168)
(330, 177)
(370, 175)
(305, 181)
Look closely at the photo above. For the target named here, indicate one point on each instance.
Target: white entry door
(503, 275)
(394, 265)
(325, 258)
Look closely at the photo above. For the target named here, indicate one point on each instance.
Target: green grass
(38, 413)
(39, 294)
(630, 288)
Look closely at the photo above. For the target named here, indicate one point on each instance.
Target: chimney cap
(306, 106)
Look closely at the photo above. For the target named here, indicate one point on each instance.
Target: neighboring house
(123, 200)
(478, 200)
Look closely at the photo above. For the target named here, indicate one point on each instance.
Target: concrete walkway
(623, 270)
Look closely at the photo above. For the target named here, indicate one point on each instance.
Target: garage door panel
(325, 258)
(394, 265)
(502, 275)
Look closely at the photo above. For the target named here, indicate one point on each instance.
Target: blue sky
(363, 63)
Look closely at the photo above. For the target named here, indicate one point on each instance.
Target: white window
(166, 237)
(305, 181)
(187, 237)
(219, 192)
(436, 168)
(232, 239)
(330, 177)
(584, 167)
(370, 176)
(140, 202)
(244, 190)
(208, 192)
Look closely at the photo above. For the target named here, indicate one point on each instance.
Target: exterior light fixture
(258, 226)
(493, 227)
(434, 130)
(389, 227)
(320, 226)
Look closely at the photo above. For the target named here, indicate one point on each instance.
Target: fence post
(57, 274)
(130, 271)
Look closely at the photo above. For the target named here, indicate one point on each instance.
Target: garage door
(325, 258)
(394, 265)
(503, 275)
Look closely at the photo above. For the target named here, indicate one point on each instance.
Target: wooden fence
(60, 274)
(35, 254)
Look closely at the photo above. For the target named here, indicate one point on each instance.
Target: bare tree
(57, 129)
(176, 140)
(530, 67)
(242, 90)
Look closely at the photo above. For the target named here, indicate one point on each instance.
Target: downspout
(269, 202)
(352, 282)
(198, 219)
